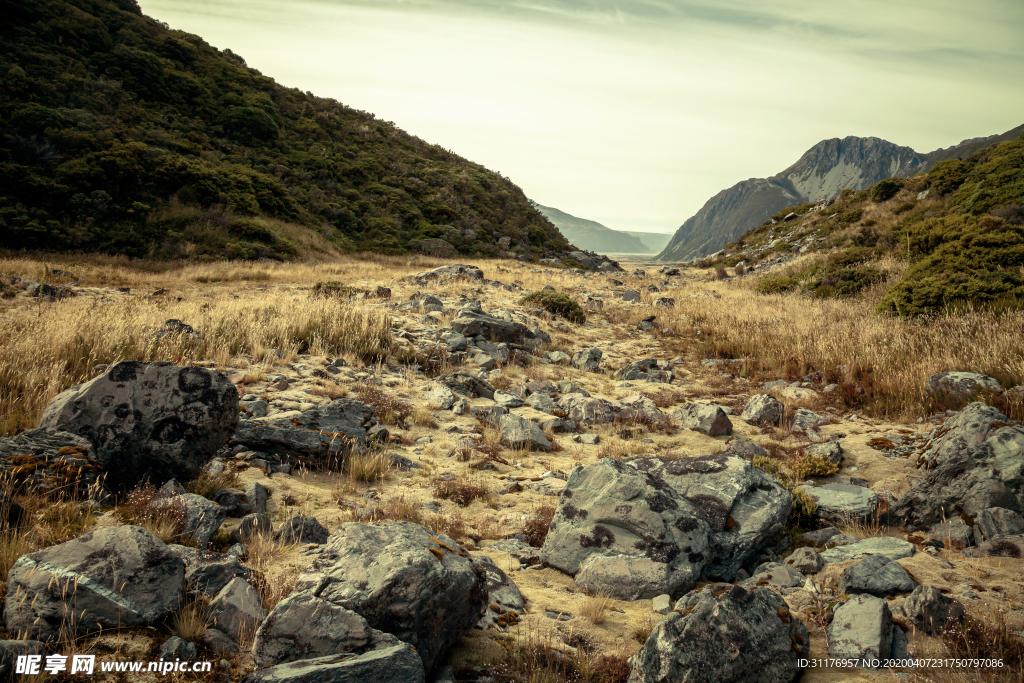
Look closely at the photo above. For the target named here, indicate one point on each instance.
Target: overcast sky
(635, 113)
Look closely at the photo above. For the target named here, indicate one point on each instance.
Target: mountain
(824, 171)
(120, 135)
(654, 241)
(593, 236)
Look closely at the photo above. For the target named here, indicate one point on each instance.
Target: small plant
(739, 270)
(423, 416)
(804, 507)
(812, 465)
(460, 490)
(368, 465)
(536, 528)
(720, 272)
(642, 627)
(884, 189)
(557, 303)
(191, 619)
(205, 484)
(594, 607)
(766, 464)
(386, 407)
(163, 517)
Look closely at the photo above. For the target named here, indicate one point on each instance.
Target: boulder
(839, 503)
(148, 421)
(202, 517)
(10, 650)
(218, 642)
(450, 272)
(208, 572)
(706, 418)
(655, 526)
(518, 432)
(109, 578)
(805, 560)
(639, 408)
(398, 663)
(827, 450)
(320, 433)
(1000, 546)
(747, 450)
(507, 400)
(300, 529)
(646, 370)
(396, 576)
(892, 548)
(505, 603)
(237, 609)
(630, 295)
(861, 629)
(877, 575)
(929, 610)
(808, 421)
(724, 634)
(233, 501)
(588, 360)
(995, 522)
(960, 387)
(45, 461)
(177, 648)
(471, 323)
(257, 494)
(819, 536)
(542, 402)
(763, 409)
(253, 525)
(973, 463)
(587, 410)
(442, 397)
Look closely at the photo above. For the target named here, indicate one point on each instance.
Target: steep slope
(824, 171)
(654, 241)
(123, 136)
(959, 227)
(591, 235)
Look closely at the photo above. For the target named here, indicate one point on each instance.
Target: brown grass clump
(143, 507)
(206, 485)
(642, 627)
(387, 408)
(191, 619)
(610, 669)
(594, 607)
(987, 638)
(368, 465)
(423, 416)
(460, 490)
(536, 528)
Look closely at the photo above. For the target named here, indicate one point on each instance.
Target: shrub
(335, 289)
(720, 273)
(142, 508)
(777, 285)
(557, 303)
(536, 528)
(386, 407)
(884, 190)
(460, 490)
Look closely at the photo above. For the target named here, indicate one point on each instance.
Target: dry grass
(536, 528)
(423, 416)
(263, 550)
(594, 607)
(191, 619)
(165, 519)
(460, 490)
(643, 626)
(82, 332)
(368, 465)
(205, 485)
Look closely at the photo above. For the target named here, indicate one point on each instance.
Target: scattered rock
(398, 663)
(705, 418)
(177, 648)
(300, 529)
(877, 575)
(893, 548)
(861, 629)
(113, 577)
(237, 609)
(647, 370)
(724, 633)
(218, 642)
(518, 432)
(312, 436)
(763, 409)
(805, 561)
(929, 610)
(587, 360)
(151, 421)
(995, 522)
(252, 525)
(838, 503)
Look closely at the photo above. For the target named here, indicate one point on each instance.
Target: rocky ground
(700, 519)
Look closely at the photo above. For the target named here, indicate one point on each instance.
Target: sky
(635, 113)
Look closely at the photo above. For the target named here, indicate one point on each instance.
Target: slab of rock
(397, 663)
(763, 409)
(808, 421)
(505, 604)
(829, 450)
(973, 463)
(961, 387)
(507, 400)
(46, 460)
(995, 522)
(877, 575)
(471, 323)
(148, 421)
(724, 633)
(705, 418)
(861, 629)
(1000, 546)
(748, 450)
(588, 360)
(396, 576)
(892, 548)
(237, 609)
(805, 561)
(325, 431)
(839, 503)
(820, 536)
(646, 370)
(300, 529)
(176, 647)
(202, 517)
(655, 526)
(930, 611)
(109, 578)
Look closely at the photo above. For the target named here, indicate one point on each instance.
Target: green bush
(777, 285)
(557, 303)
(884, 190)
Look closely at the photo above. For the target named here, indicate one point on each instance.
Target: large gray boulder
(505, 604)
(396, 663)
(301, 529)
(149, 421)
(808, 421)
(995, 522)
(886, 546)
(960, 387)
(973, 463)
(877, 575)
(587, 410)
(724, 634)
(312, 437)
(202, 517)
(47, 460)
(397, 576)
(237, 609)
(208, 572)
(109, 578)
(763, 409)
(705, 418)
(518, 432)
(861, 629)
(472, 323)
(640, 528)
(588, 360)
(646, 370)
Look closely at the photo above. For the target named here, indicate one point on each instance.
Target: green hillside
(122, 136)
(960, 227)
(591, 235)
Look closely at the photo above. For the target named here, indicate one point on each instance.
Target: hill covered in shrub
(121, 135)
(959, 228)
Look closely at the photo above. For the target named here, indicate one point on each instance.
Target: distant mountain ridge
(591, 235)
(825, 170)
